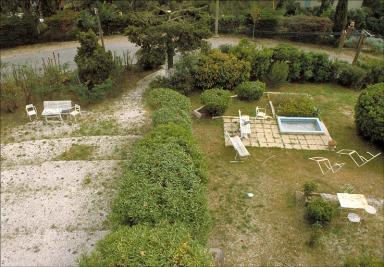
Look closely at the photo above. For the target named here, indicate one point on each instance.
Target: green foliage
(309, 187)
(320, 211)
(93, 62)
(250, 90)
(322, 67)
(98, 92)
(168, 115)
(369, 113)
(290, 55)
(165, 97)
(261, 64)
(217, 69)
(340, 18)
(16, 31)
(364, 260)
(278, 74)
(295, 106)
(216, 101)
(316, 233)
(61, 26)
(374, 69)
(9, 95)
(150, 57)
(349, 75)
(142, 245)
(77, 152)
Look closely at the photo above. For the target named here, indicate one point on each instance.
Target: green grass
(270, 228)
(77, 152)
(102, 127)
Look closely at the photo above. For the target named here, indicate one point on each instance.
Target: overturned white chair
(31, 110)
(326, 166)
(356, 157)
(245, 125)
(239, 147)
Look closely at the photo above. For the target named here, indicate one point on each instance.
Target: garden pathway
(53, 210)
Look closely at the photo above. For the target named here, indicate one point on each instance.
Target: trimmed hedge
(369, 113)
(216, 101)
(168, 115)
(143, 245)
(295, 106)
(217, 69)
(290, 55)
(349, 75)
(166, 97)
(17, 31)
(250, 90)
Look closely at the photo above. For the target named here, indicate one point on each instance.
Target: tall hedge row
(160, 211)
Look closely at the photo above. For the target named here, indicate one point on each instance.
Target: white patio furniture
(370, 209)
(31, 110)
(353, 217)
(261, 113)
(356, 157)
(245, 125)
(326, 166)
(55, 109)
(75, 111)
(239, 147)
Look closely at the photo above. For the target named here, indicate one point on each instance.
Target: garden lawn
(270, 229)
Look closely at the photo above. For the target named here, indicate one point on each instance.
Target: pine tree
(340, 18)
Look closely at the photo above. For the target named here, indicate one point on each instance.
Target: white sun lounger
(356, 157)
(326, 166)
(239, 147)
(245, 125)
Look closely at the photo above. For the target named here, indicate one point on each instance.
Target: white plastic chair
(325, 163)
(245, 125)
(76, 111)
(261, 113)
(31, 110)
(356, 157)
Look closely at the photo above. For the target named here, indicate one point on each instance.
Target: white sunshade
(352, 201)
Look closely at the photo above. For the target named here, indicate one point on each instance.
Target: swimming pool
(300, 125)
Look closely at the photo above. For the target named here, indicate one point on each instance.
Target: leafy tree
(93, 62)
(325, 4)
(166, 30)
(255, 15)
(340, 18)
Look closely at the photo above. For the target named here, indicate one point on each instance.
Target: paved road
(33, 54)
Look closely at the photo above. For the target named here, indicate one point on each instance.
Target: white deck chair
(76, 111)
(356, 157)
(326, 166)
(245, 125)
(239, 147)
(31, 110)
(261, 113)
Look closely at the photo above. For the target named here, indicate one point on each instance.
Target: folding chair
(245, 125)
(356, 157)
(31, 110)
(326, 166)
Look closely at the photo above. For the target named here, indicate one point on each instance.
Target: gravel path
(53, 211)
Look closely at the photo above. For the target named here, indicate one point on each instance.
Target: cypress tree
(340, 19)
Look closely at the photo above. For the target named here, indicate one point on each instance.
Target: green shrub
(363, 261)
(369, 113)
(142, 245)
(320, 211)
(307, 66)
(98, 92)
(322, 67)
(10, 95)
(290, 55)
(375, 70)
(217, 69)
(165, 97)
(250, 90)
(309, 188)
(225, 48)
(295, 106)
(182, 79)
(168, 115)
(150, 57)
(216, 101)
(17, 31)
(143, 200)
(349, 75)
(261, 63)
(93, 62)
(61, 26)
(278, 74)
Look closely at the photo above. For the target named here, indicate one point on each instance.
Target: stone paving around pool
(265, 133)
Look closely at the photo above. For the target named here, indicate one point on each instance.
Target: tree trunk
(253, 30)
(340, 19)
(170, 54)
(217, 18)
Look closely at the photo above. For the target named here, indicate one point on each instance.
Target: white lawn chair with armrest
(239, 147)
(261, 113)
(245, 125)
(75, 111)
(356, 157)
(31, 110)
(325, 163)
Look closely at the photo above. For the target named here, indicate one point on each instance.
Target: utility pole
(217, 19)
(359, 46)
(100, 29)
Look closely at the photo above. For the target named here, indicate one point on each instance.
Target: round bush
(369, 113)
(142, 245)
(216, 101)
(165, 97)
(250, 90)
(349, 75)
(278, 73)
(295, 106)
(320, 211)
